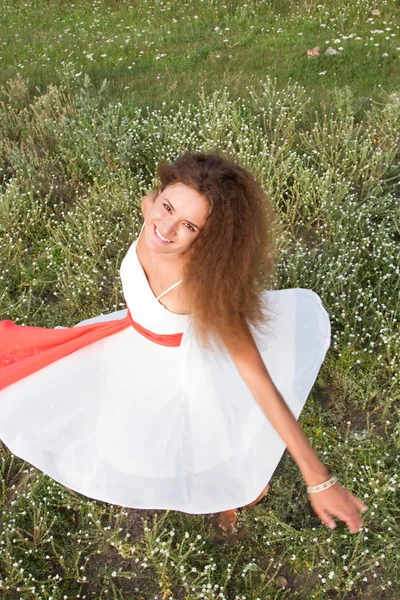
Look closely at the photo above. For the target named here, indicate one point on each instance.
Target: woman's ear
(147, 201)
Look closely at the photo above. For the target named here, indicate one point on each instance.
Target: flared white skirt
(133, 423)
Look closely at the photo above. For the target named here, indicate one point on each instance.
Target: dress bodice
(143, 305)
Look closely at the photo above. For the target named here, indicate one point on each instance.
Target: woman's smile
(160, 238)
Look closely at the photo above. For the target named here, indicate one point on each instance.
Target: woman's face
(175, 219)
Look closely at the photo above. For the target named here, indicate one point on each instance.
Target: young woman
(186, 399)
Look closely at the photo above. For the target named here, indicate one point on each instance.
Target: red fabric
(26, 349)
(172, 339)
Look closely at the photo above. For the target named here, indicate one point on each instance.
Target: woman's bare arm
(334, 501)
(253, 371)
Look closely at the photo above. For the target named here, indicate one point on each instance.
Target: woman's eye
(189, 227)
(167, 207)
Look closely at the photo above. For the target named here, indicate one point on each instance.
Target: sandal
(227, 519)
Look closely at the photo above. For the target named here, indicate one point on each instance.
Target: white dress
(130, 422)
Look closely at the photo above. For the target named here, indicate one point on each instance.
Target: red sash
(26, 349)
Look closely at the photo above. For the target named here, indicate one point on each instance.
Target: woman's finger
(352, 519)
(354, 522)
(354, 525)
(360, 505)
(325, 517)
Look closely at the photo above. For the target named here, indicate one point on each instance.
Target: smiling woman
(172, 224)
(187, 405)
(224, 225)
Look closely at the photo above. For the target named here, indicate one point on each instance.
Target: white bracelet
(313, 489)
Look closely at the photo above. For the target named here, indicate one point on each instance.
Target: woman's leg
(227, 519)
(260, 497)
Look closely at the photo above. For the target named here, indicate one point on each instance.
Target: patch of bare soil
(374, 591)
(339, 403)
(138, 582)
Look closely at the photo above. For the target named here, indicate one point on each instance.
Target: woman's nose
(170, 227)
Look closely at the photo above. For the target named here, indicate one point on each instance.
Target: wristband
(313, 489)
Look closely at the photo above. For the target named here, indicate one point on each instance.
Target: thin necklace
(160, 287)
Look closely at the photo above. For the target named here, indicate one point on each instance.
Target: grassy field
(80, 137)
(146, 49)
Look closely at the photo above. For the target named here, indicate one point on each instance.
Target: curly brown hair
(232, 258)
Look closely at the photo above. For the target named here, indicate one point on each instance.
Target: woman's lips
(159, 240)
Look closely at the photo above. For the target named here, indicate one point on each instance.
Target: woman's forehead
(185, 199)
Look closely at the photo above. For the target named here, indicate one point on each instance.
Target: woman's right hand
(337, 501)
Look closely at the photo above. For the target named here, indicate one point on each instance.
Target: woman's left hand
(337, 501)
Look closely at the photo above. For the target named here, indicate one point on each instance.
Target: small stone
(331, 51)
(370, 593)
(281, 581)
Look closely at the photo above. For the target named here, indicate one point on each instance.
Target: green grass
(43, 39)
(75, 159)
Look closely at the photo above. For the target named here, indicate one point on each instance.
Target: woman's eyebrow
(197, 227)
